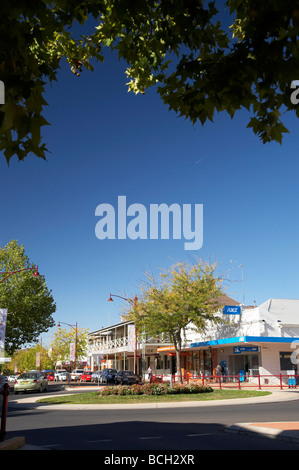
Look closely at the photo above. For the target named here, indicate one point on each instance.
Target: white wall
(274, 318)
(270, 359)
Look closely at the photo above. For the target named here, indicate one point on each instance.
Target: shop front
(246, 356)
(233, 356)
(245, 360)
(201, 362)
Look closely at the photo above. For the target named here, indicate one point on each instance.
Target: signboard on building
(3, 360)
(3, 317)
(232, 310)
(72, 351)
(240, 349)
(37, 360)
(165, 348)
(131, 338)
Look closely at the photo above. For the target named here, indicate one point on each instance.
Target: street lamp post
(8, 274)
(75, 327)
(134, 302)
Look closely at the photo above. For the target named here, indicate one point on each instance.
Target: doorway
(249, 363)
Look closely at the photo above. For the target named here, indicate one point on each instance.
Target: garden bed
(154, 389)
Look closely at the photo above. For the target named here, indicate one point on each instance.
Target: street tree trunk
(178, 348)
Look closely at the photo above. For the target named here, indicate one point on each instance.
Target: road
(160, 429)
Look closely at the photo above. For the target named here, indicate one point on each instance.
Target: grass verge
(94, 398)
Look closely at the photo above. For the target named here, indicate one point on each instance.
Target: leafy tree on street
(184, 296)
(29, 302)
(200, 60)
(26, 359)
(62, 339)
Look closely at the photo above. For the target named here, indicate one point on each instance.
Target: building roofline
(107, 328)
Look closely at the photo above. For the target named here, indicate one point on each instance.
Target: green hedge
(153, 389)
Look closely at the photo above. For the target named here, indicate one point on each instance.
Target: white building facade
(253, 341)
(260, 340)
(115, 346)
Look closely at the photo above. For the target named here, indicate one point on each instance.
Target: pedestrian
(150, 373)
(218, 370)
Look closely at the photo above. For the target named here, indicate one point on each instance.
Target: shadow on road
(144, 435)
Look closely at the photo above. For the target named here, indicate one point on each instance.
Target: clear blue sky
(106, 142)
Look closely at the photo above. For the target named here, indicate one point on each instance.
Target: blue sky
(106, 142)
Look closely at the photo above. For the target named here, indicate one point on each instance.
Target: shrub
(153, 389)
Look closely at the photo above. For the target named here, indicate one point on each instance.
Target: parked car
(50, 377)
(65, 376)
(126, 377)
(59, 374)
(12, 378)
(86, 376)
(108, 375)
(30, 381)
(76, 374)
(95, 376)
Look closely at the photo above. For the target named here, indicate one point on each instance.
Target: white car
(76, 374)
(95, 376)
(12, 378)
(65, 376)
(60, 375)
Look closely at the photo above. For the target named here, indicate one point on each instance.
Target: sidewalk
(288, 431)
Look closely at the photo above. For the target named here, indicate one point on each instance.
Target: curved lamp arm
(8, 274)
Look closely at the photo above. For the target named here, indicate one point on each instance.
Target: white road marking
(101, 440)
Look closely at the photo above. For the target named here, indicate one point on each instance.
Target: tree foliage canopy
(29, 302)
(184, 295)
(63, 337)
(26, 359)
(200, 62)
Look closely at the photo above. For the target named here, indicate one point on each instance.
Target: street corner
(288, 431)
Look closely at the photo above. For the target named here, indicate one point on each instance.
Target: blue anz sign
(240, 349)
(232, 310)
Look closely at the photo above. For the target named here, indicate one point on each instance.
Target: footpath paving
(288, 431)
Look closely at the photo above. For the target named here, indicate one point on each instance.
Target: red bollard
(259, 381)
(280, 381)
(4, 412)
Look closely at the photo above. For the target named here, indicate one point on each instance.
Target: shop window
(159, 364)
(285, 361)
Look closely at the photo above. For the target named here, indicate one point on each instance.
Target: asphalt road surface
(161, 429)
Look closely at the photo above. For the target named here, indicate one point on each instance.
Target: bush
(153, 389)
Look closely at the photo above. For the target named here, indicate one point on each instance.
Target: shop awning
(244, 339)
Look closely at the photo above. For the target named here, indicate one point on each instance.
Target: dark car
(126, 377)
(107, 376)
